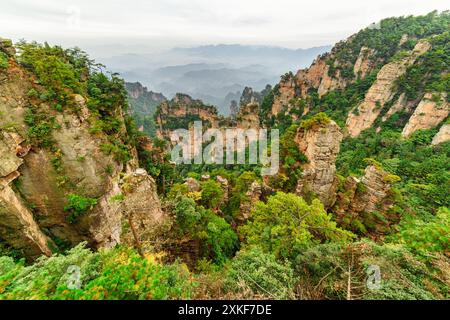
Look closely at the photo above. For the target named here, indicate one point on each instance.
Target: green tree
(260, 273)
(286, 225)
(212, 194)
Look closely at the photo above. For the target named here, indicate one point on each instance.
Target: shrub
(286, 225)
(77, 205)
(119, 273)
(212, 194)
(260, 273)
(319, 119)
(218, 238)
(3, 61)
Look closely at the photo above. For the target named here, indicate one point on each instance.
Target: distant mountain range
(216, 74)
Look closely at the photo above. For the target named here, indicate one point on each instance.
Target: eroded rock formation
(382, 91)
(442, 136)
(431, 111)
(320, 144)
(36, 180)
(361, 198)
(252, 196)
(364, 63)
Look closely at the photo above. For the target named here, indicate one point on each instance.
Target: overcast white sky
(289, 23)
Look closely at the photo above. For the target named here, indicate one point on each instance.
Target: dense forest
(345, 204)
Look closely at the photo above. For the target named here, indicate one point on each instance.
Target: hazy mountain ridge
(211, 72)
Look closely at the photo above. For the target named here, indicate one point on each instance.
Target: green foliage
(326, 268)
(187, 214)
(218, 238)
(260, 273)
(238, 193)
(431, 72)
(291, 158)
(77, 205)
(319, 119)
(178, 189)
(425, 237)
(385, 38)
(119, 150)
(3, 61)
(266, 105)
(41, 280)
(286, 225)
(422, 168)
(117, 274)
(60, 71)
(338, 103)
(212, 194)
(125, 275)
(40, 128)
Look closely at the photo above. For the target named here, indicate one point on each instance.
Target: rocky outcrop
(330, 83)
(17, 225)
(136, 90)
(225, 187)
(317, 77)
(320, 144)
(250, 96)
(36, 179)
(399, 105)
(382, 91)
(442, 136)
(248, 116)
(286, 91)
(431, 111)
(360, 198)
(252, 196)
(6, 46)
(192, 184)
(364, 63)
(173, 114)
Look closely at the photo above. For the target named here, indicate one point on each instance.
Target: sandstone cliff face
(320, 145)
(250, 96)
(381, 91)
(428, 114)
(17, 225)
(329, 83)
(361, 198)
(248, 116)
(286, 91)
(316, 77)
(442, 136)
(252, 196)
(137, 90)
(364, 63)
(399, 105)
(35, 181)
(181, 107)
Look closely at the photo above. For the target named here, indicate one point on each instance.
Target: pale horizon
(136, 26)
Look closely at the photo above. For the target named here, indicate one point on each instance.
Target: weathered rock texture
(173, 114)
(362, 197)
(364, 63)
(431, 111)
(442, 136)
(17, 224)
(248, 116)
(320, 145)
(316, 77)
(136, 90)
(382, 91)
(35, 183)
(286, 92)
(252, 196)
